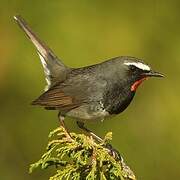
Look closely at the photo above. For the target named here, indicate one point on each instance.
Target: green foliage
(77, 156)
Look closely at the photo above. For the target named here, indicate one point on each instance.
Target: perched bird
(87, 93)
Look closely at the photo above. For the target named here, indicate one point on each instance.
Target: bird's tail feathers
(54, 69)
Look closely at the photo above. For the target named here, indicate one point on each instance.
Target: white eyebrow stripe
(139, 65)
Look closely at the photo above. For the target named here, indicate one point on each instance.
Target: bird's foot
(113, 152)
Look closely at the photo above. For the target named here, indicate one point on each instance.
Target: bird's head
(138, 71)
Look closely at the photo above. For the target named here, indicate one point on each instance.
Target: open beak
(153, 74)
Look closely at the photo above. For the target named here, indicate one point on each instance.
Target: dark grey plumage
(92, 92)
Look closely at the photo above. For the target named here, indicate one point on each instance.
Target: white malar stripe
(139, 65)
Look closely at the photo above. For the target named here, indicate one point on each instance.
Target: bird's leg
(81, 126)
(61, 120)
(113, 152)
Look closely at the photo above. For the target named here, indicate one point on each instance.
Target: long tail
(54, 69)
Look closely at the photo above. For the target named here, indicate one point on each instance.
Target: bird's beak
(153, 74)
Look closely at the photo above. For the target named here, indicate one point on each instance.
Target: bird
(87, 93)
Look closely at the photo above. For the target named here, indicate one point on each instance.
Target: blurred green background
(84, 32)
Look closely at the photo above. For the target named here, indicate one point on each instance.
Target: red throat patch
(137, 83)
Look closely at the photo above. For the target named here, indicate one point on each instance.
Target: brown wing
(78, 89)
(56, 99)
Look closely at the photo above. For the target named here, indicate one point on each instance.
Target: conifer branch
(79, 157)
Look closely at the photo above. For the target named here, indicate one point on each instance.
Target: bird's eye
(132, 68)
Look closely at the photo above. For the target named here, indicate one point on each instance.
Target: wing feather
(78, 89)
(55, 98)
